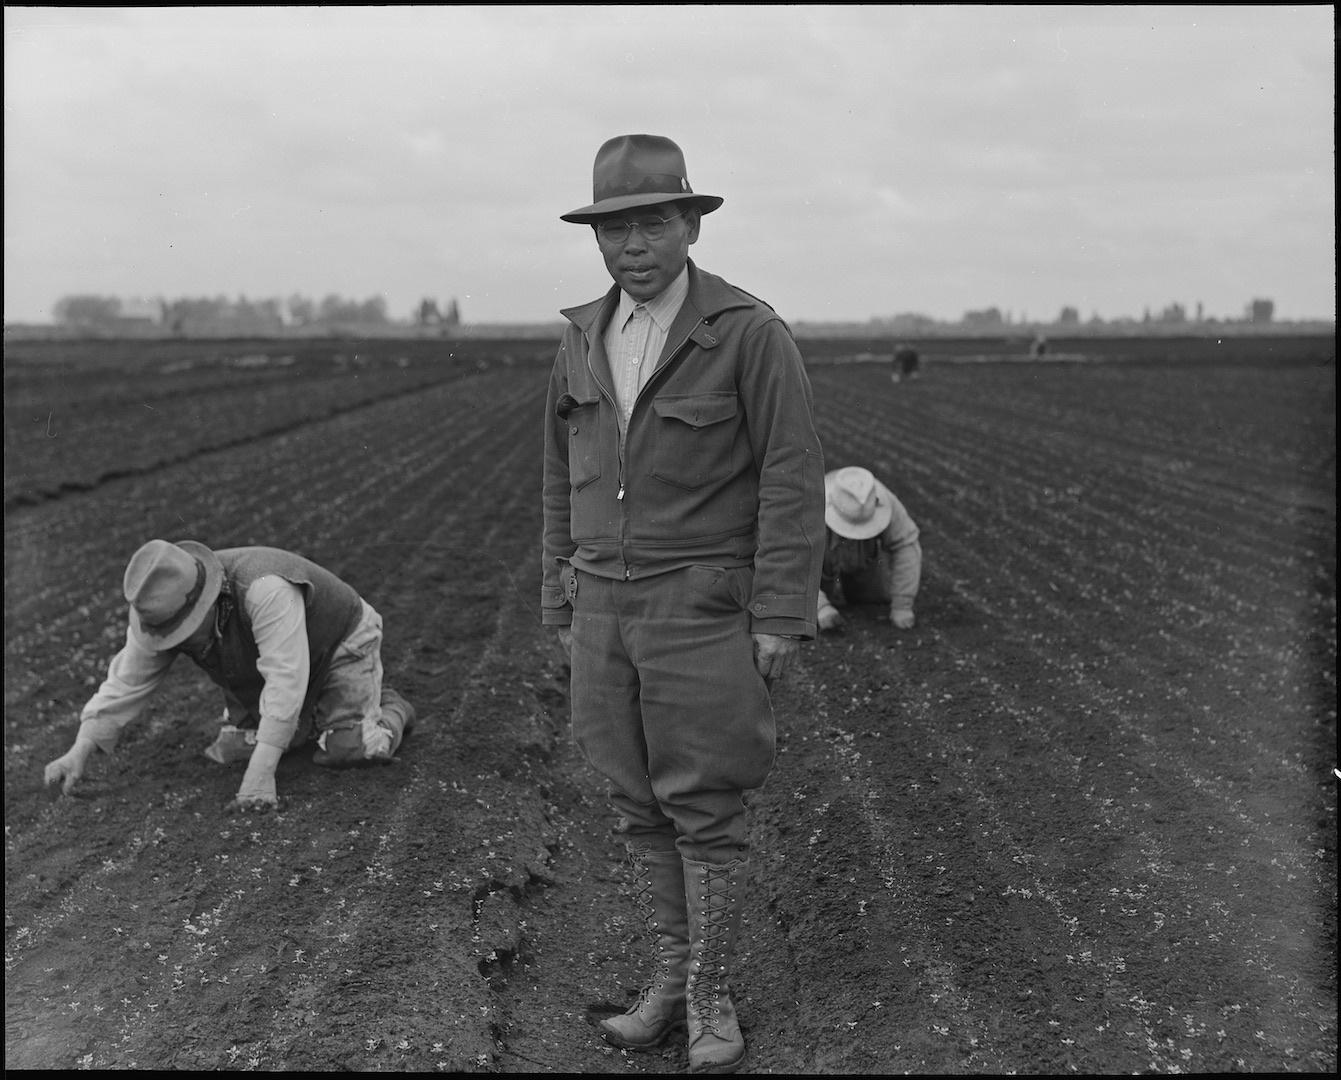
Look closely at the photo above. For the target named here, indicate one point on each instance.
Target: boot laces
(665, 958)
(642, 876)
(707, 983)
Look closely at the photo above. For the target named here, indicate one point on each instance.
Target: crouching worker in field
(872, 554)
(906, 363)
(295, 650)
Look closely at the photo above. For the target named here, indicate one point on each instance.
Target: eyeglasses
(613, 231)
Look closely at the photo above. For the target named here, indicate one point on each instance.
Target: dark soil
(1082, 818)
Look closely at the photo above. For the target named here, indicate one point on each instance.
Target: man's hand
(902, 619)
(257, 792)
(566, 641)
(772, 654)
(829, 618)
(69, 767)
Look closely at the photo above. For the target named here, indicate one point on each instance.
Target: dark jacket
(720, 463)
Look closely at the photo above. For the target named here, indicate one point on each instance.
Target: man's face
(198, 644)
(643, 268)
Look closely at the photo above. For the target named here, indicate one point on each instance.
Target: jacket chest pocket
(582, 418)
(694, 437)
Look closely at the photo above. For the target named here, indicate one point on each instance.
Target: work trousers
(668, 705)
(346, 718)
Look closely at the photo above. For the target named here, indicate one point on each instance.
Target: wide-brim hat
(638, 170)
(855, 504)
(171, 588)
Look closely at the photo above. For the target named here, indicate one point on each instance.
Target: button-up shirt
(635, 337)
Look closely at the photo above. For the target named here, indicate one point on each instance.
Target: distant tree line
(238, 315)
(429, 314)
(1258, 312)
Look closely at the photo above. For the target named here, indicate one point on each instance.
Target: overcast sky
(873, 159)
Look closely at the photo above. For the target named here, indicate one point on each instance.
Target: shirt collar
(662, 308)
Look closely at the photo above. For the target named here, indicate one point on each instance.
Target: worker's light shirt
(896, 550)
(635, 336)
(278, 619)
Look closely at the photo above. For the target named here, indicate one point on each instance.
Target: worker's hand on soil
(829, 618)
(69, 767)
(902, 619)
(239, 805)
(772, 654)
(257, 792)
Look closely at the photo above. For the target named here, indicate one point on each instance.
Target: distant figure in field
(906, 362)
(872, 554)
(295, 650)
(1038, 348)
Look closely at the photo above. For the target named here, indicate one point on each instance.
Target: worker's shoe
(715, 894)
(233, 744)
(340, 746)
(660, 1008)
(398, 717)
(343, 744)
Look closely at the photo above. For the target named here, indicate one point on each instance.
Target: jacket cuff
(792, 614)
(554, 607)
(277, 733)
(801, 629)
(102, 734)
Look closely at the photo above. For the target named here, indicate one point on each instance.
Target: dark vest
(844, 556)
(333, 611)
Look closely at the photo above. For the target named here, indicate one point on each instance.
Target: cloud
(873, 158)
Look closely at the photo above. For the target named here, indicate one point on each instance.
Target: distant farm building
(139, 312)
(1261, 311)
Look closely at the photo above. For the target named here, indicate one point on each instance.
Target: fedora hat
(855, 504)
(170, 588)
(638, 170)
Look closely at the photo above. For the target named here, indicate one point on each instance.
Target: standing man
(295, 650)
(683, 541)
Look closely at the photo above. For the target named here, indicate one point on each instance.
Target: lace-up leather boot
(660, 1008)
(715, 895)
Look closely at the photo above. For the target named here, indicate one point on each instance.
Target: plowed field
(1082, 818)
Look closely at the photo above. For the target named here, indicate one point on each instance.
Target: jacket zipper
(619, 496)
(610, 396)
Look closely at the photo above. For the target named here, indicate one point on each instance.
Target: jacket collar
(708, 297)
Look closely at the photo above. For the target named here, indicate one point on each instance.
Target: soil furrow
(1080, 819)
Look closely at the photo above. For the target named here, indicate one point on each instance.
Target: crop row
(1083, 791)
(75, 429)
(1126, 651)
(341, 490)
(1136, 534)
(402, 498)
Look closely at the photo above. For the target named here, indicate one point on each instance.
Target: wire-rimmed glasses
(616, 230)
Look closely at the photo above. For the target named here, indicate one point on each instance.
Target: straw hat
(855, 503)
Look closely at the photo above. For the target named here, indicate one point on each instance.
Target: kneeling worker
(872, 554)
(295, 650)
